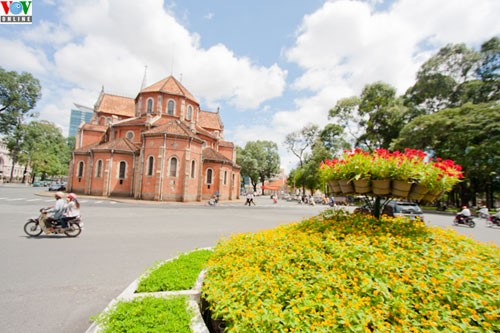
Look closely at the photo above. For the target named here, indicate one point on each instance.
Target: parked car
(57, 187)
(36, 184)
(395, 208)
(403, 208)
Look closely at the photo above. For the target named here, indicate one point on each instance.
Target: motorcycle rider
(72, 209)
(57, 210)
(464, 213)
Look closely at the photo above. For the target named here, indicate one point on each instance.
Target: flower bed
(352, 273)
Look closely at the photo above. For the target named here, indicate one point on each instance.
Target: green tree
(259, 160)
(345, 114)
(469, 135)
(18, 96)
(44, 149)
(299, 142)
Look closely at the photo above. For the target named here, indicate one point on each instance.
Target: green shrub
(352, 273)
(178, 274)
(147, 314)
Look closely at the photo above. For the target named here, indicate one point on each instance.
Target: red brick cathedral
(159, 146)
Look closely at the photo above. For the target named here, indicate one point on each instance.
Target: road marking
(16, 199)
(98, 202)
(34, 200)
(3, 198)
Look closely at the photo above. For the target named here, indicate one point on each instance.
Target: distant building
(158, 146)
(6, 165)
(81, 114)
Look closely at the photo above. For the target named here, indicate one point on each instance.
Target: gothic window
(171, 107)
(189, 112)
(80, 170)
(209, 176)
(193, 169)
(98, 169)
(151, 162)
(149, 108)
(122, 170)
(173, 167)
(225, 177)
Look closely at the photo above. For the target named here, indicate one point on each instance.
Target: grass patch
(147, 314)
(352, 273)
(178, 274)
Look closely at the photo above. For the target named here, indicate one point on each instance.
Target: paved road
(54, 284)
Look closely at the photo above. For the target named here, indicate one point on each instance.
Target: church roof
(210, 120)
(170, 85)
(94, 128)
(226, 144)
(121, 144)
(116, 105)
(211, 155)
(173, 127)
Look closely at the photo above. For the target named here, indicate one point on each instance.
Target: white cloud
(18, 56)
(345, 45)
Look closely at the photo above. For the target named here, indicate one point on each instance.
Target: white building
(6, 165)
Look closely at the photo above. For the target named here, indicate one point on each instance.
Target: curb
(194, 299)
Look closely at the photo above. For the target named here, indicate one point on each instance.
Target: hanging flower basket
(381, 187)
(417, 192)
(400, 188)
(346, 186)
(362, 186)
(432, 196)
(334, 185)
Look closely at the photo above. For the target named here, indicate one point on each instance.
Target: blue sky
(270, 66)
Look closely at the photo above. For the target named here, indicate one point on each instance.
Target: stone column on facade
(187, 165)
(160, 173)
(139, 166)
(183, 107)
(88, 174)
(70, 172)
(107, 176)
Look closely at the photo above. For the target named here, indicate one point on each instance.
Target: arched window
(189, 112)
(122, 170)
(171, 107)
(193, 169)
(209, 176)
(225, 177)
(151, 163)
(79, 170)
(98, 169)
(173, 167)
(149, 107)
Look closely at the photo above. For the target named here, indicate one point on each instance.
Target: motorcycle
(464, 220)
(36, 226)
(494, 220)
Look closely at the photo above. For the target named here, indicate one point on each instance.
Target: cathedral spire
(144, 79)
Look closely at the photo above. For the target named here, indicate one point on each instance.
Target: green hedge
(178, 274)
(352, 273)
(147, 314)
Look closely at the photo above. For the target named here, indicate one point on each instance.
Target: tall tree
(299, 142)
(345, 114)
(18, 96)
(259, 160)
(46, 149)
(385, 115)
(489, 70)
(469, 135)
